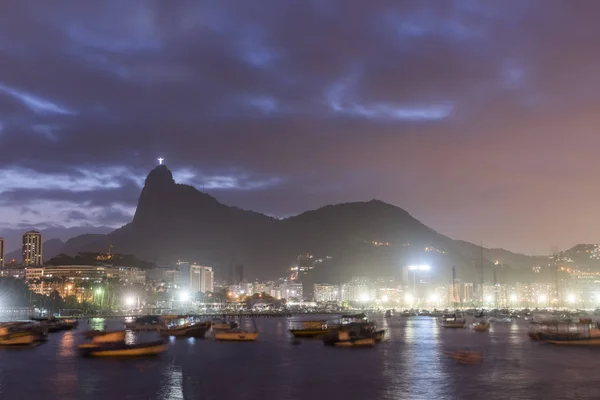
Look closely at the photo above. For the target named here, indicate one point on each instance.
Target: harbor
(418, 359)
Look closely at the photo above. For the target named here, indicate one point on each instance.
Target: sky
(480, 118)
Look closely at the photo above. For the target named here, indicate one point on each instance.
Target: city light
(385, 299)
(434, 298)
(513, 297)
(419, 268)
(364, 297)
(571, 298)
(99, 291)
(408, 297)
(184, 295)
(489, 298)
(130, 301)
(542, 298)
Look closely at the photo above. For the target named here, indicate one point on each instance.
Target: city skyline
(475, 118)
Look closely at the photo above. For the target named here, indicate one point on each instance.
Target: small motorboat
(481, 326)
(196, 330)
(112, 344)
(15, 335)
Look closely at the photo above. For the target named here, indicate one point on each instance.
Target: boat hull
(309, 333)
(453, 325)
(17, 340)
(366, 342)
(123, 350)
(576, 342)
(190, 331)
(236, 336)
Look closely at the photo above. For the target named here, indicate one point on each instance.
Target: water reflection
(173, 383)
(67, 345)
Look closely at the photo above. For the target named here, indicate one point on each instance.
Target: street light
(130, 301)
(184, 295)
(99, 291)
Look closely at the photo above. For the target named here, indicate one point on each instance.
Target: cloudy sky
(480, 118)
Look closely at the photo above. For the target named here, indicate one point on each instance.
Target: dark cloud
(465, 113)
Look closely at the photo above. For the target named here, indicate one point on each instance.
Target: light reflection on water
(410, 365)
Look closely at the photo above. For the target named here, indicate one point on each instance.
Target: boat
(53, 325)
(453, 321)
(481, 326)
(146, 323)
(220, 325)
(311, 329)
(572, 334)
(389, 313)
(236, 334)
(196, 330)
(112, 344)
(351, 336)
(14, 335)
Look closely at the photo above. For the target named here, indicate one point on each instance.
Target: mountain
(175, 221)
(50, 248)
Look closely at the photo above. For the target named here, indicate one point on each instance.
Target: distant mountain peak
(161, 176)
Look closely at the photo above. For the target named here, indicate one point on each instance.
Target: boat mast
(454, 287)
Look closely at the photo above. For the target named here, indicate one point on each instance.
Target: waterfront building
(32, 249)
(66, 278)
(324, 292)
(13, 272)
(1, 252)
(585, 288)
(291, 290)
(127, 274)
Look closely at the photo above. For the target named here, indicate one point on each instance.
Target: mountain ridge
(176, 221)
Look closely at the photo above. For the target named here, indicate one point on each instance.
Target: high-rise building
(196, 278)
(1, 252)
(32, 249)
(208, 280)
(467, 293)
(323, 292)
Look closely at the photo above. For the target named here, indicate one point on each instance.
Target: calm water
(410, 365)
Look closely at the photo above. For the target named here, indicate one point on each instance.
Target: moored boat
(112, 344)
(14, 335)
(311, 329)
(146, 323)
(352, 337)
(222, 325)
(237, 334)
(453, 321)
(196, 330)
(481, 326)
